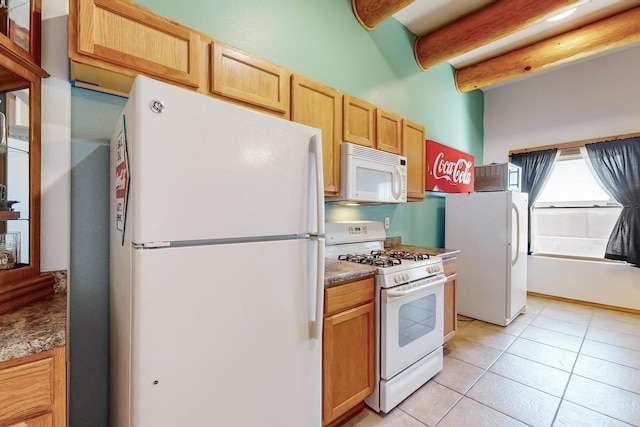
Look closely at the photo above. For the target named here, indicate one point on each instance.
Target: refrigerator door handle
(316, 291)
(514, 259)
(316, 144)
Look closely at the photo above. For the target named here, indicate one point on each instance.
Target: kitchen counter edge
(341, 271)
(35, 328)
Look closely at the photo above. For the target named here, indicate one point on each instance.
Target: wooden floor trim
(588, 303)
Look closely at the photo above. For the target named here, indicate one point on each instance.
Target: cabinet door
(250, 79)
(349, 360)
(359, 122)
(45, 420)
(388, 131)
(34, 385)
(414, 149)
(320, 106)
(132, 37)
(450, 307)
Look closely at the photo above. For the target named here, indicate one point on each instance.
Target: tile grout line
(485, 370)
(584, 337)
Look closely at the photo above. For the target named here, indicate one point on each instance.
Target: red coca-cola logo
(458, 172)
(448, 170)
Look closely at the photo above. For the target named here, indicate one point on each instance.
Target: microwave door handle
(397, 183)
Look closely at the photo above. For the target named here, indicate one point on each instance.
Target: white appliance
(498, 177)
(217, 264)
(490, 229)
(409, 300)
(371, 176)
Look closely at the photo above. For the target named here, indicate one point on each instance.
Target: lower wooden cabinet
(348, 372)
(450, 308)
(33, 390)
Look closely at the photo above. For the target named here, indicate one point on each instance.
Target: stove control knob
(397, 278)
(406, 276)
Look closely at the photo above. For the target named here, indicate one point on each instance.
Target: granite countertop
(34, 328)
(341, 271)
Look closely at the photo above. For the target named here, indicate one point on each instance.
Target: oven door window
(416, 319)
(411, 327)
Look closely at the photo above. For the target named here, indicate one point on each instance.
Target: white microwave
(371, 176)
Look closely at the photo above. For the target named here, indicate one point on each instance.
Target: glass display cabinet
(20, 81)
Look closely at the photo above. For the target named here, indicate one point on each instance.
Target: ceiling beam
(371, 12)
(487, 25)
(610, 33)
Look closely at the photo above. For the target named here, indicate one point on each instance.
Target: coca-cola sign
(448, 170)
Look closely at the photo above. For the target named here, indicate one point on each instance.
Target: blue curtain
(536, 168)
(617, 164)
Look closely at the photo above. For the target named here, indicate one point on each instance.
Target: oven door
(412, 319)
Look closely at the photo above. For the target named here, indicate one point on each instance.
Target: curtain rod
(574, 144)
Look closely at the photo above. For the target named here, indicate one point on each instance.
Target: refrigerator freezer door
(481, 226)
(214, 346)
(202, 169)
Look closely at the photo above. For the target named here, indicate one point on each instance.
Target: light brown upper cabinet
(320, 106)
(250, 80)
(414, 149)
(111, 39)
(388, 131)
(359, 122)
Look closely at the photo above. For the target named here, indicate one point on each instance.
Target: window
(573, 216)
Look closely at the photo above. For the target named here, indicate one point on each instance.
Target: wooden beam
(610, 33)
(489, 24)
(371, 12)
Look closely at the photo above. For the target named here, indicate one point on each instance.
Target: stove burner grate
(371, 259)
(401, 255)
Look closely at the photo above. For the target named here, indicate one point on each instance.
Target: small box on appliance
(498, 177)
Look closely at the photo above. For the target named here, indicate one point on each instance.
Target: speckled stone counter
(341, 271)
(34, 328)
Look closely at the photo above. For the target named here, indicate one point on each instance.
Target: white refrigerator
(490, 230)
(217, 264)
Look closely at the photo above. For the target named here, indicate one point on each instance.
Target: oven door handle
(396, 294)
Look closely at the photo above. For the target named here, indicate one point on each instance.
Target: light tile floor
(559, 364)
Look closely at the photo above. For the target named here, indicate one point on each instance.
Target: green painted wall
(320, 39)
(324, 41)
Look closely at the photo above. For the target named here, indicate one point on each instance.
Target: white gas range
(409, 309)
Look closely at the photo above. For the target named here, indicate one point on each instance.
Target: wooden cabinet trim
(388, 131)
(449, 266)
(315, 104)
(348, 295)
(178, 60)
(35, 384)
(358, 121)
(414, 149)
(239, 75)
(339, 395)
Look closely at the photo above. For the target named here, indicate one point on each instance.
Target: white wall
(594, 98)
(56, 139)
